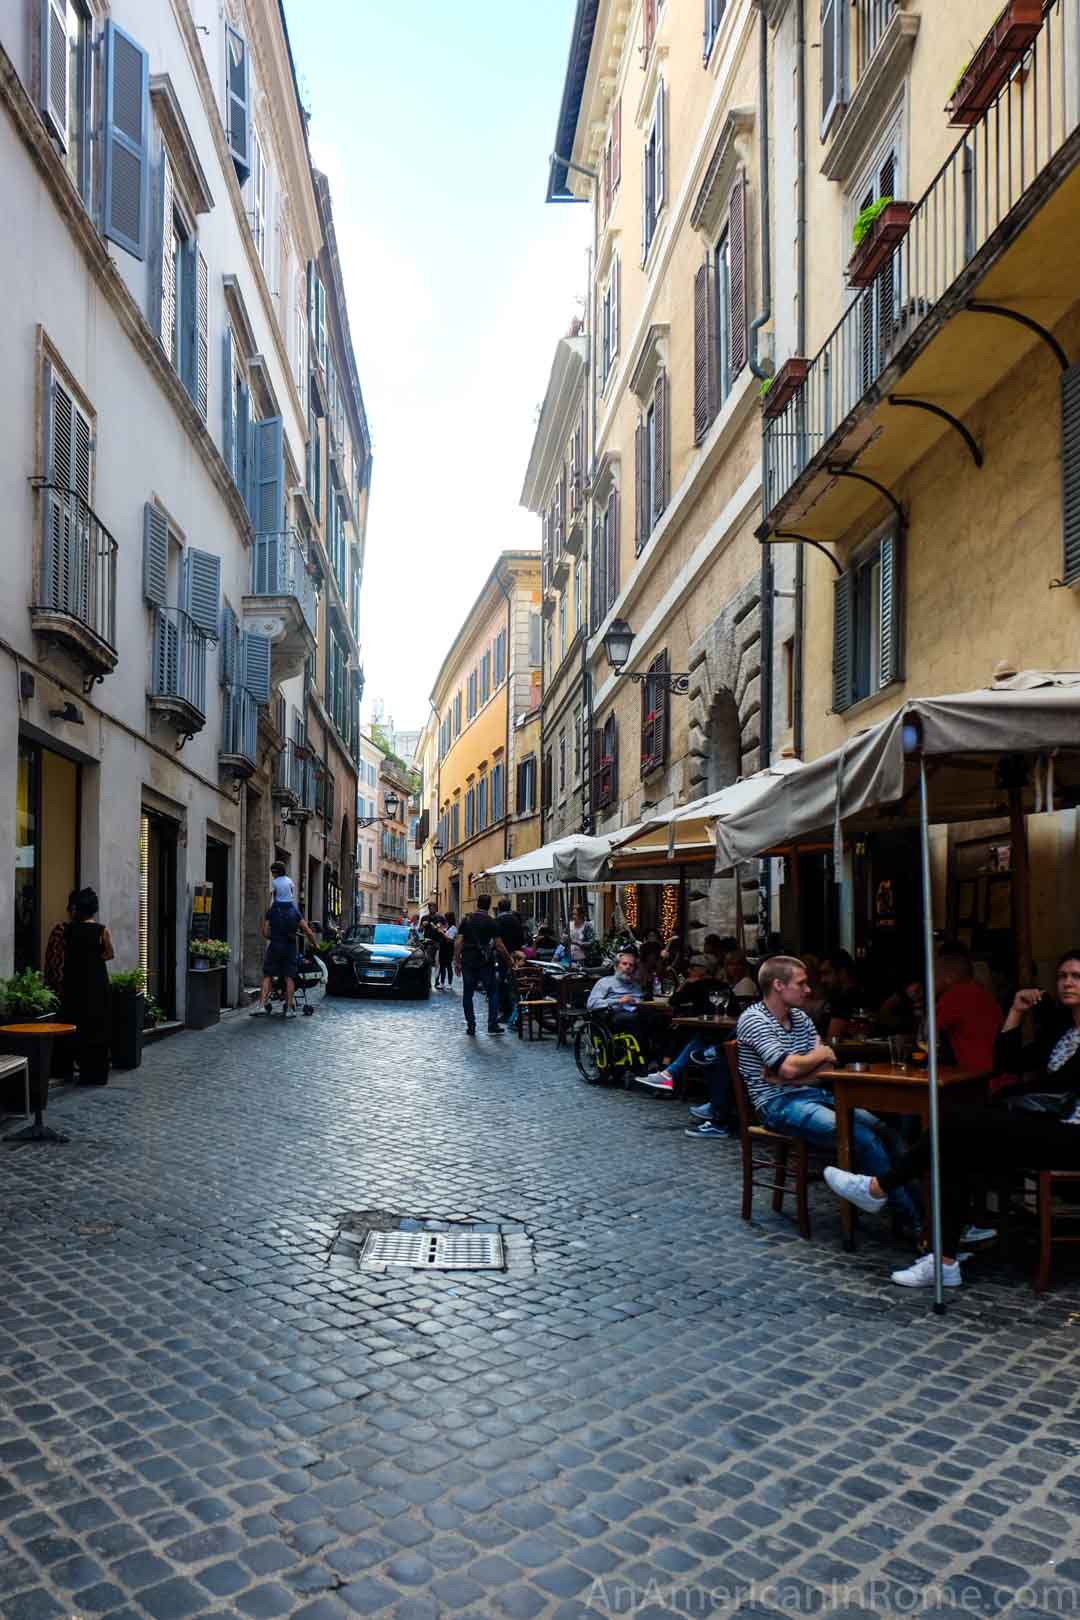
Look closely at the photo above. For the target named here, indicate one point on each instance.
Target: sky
(433, 123)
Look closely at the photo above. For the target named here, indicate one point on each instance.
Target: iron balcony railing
(179, 666)
(984, 177)
(872, 17)
(240, 729)
(289, 771)
(278, 568)
(78, 563)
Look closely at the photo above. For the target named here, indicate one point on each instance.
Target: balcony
(239, 733)
(289, 772)
(282, 603)
(76, 583)
(983, 273)
(178, 672)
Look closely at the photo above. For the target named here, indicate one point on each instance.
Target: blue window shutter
(202, 589)
(228, 648)
(125, 177)
(166, 673)
(269, 497)
(255, 665)
(54, 67)
(202, 335)
(843, 643)
(155, 555)
(228, 426)
(249, 461)
(242, 449)
(238, 102)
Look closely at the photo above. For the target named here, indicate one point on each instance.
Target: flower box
(785, 385)
(878, 245)
(204, 997)
(993, 62)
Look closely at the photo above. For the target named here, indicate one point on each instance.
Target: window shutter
(662, 442)
(843, 650)
(595, 613)
(832, 23)
(534, 641)
(125, 162)
(164, 281)
(228, 404)
(616, 290)
(269, 498)
(661, 709)
(597, 755)
(202, 589)
(641, 522)
(737, 254)
(1070, 473)
(67, 465)
(892, 602)
(230, 637)
(611, 560)
(647, 725)
(242, 471)
(255, 665)
(54, 67)
(155, 555)
(202, 335)
(645, 189)
(238, 97)
(166, 655)
(706, 369)
(188, 319)
(661, 154)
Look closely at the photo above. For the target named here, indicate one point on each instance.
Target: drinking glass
(716, 1001)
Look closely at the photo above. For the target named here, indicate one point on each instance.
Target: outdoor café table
(40, 1065)
(889, 1088)
(721, 1025)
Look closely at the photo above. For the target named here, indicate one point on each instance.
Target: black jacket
(1028, 1060)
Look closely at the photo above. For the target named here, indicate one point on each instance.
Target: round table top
(37, 1029)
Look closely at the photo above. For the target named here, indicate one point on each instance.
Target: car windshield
(377, 934)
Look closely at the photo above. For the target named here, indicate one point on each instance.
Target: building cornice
(564, 394)
(490, 596)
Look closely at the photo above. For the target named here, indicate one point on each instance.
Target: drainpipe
(768, 572)
(800, 348)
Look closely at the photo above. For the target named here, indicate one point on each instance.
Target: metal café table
(889, 1088)
(40, 1063)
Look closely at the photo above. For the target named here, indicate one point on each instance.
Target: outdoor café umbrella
(575, 860)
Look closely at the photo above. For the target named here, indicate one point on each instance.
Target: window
(714, 10)
(457, 715)
(577, 744)
(605, 559)
(470, 812)
(653, 180)
(605, 773)
(652, 462)
(470, 695)
(607, 347)
(562, 763)
(260, 197)
(878, 304)
(481, 804)
(485, 676)
(562, 626)
(549, 644)
(613, 158)
(788, 654)
(868, 623)
(525, 789)
(833, 61)
(648, 28)
(67, 84)
(180, 294)
(545, 783)
(497, 811)
(500, 658)
(238, 103)
(300, 340)
(579, 594)
(655, 716)
(534, 641)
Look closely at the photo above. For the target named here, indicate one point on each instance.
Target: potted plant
(153, 1014)
(128, 992)
(996, 58)
(876, 234)
(209, 953)
(208, 959)
(25, 998)
(778, 392)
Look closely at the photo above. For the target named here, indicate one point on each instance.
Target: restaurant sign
(517, 882)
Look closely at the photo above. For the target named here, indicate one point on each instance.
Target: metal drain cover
(436, 1251)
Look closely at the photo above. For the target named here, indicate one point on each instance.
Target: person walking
(85, 998)
(279, 928)
(477, 949)
(447, 935)
(512, 933)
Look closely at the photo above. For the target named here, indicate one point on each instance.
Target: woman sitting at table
(1030, 1126)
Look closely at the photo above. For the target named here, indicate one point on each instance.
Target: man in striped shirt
(780, 1054)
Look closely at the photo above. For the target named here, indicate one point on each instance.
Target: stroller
(312, 977)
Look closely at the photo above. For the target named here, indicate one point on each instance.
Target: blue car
(379, 957)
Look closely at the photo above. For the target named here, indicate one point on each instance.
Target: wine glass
(716, 1001)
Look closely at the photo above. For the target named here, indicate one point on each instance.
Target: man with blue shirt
(279, 928)
(621, 995)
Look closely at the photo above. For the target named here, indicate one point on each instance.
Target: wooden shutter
(202, 335)
(891, 608)
(229, 646)
(67, 466)
(534, 643)
(737, 343)
(166, 671)
(611, 559)
(843, 643)
(661, 709)
(1070, 473)
(228, 405)
(647, 725)
(595, 610)
(269, 499)
(660, 166)
(606, 187)
(642, 522)
(255, 665)
(597, 755)
(126, 125)
(155, 555)
(886, 287)
(189, 317)
(646, 191)
(616, 145)
(833, 23)
(662, 445)
(164, 270)
(238, 99)
(706, 367)
(615, 301)
(202, 589)
(54, 67)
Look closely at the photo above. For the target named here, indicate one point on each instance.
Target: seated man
(737, 974)
(691, 999)
(842, 994)
(967, 1014)
(621, 996)
(780, 1054)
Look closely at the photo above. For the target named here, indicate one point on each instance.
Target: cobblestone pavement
(207, 1410)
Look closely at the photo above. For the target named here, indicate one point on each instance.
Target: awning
(874, 776)
(688, 833)
(577, 859)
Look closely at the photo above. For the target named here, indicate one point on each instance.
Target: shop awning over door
(688, 833)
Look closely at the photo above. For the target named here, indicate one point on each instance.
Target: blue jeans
(481, 977)
(807, 1111)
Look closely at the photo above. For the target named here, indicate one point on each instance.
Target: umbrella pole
(931, 1042)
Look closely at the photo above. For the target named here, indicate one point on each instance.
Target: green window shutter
(202, 589)
(125, 164)
(54, 67)
(891, 609)
(228, 405)
(843, 643)
(238, 103)
(255, 665)
(155, 555)
(269, 497)
(1070, 473)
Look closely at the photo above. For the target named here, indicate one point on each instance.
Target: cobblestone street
(206, 1409)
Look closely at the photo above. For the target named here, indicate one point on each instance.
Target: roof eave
(577, 66)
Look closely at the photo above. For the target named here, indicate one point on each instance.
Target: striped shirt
(764, 1043)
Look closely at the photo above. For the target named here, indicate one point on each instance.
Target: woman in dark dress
(85, 999)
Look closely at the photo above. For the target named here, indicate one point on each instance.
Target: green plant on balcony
(865, 221)
(766, 384)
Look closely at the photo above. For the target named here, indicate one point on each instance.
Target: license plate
(376, 973)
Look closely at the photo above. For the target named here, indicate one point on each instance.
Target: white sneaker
(856, 1189)
(260, 1011)
(290, 1012)
(921, 1274)
(978, 1234)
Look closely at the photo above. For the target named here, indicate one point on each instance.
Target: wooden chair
(1049, 1221)
(16, 1068)
(534, 1006)
(571, 993)
(766, 1151)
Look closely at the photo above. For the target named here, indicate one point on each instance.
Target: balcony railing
(982, 180)
(77, 576)
(278, 568)
(179, 664)
(872, 17)
(240, 727)
(289, 772)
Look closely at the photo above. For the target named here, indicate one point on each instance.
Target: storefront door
(46, 848)
(157, 908)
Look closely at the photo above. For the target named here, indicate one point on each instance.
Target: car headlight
(417, 959)
(339, 961)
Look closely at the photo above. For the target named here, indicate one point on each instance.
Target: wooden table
(40, 1063)
(889, 1088)
(692, 1023)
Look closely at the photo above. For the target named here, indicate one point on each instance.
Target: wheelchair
(606, 1056)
